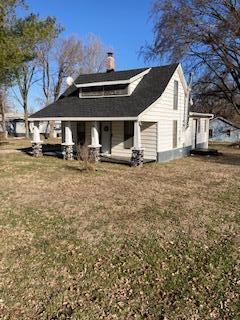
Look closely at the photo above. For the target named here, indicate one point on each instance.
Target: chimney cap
(110, 53)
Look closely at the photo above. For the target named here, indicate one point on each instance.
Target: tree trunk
(26, 119)
(2, 113)
(51, 129)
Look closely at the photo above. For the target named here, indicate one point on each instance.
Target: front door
(106, 137)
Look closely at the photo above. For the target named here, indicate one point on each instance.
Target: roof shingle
(149, 90)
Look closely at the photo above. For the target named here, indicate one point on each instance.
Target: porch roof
(69, 105)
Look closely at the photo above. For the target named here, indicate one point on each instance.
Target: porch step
(121, 160)
(205, 152)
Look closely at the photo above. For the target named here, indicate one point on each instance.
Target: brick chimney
(110, 62)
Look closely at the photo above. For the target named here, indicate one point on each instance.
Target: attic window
(104, 91)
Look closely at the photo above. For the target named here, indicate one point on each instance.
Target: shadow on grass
(51, 150)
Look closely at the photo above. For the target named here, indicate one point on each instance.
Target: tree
(68, 57)
(35, 33)
(205, 34)
(19, 38)
(94, 55)
(10, 56)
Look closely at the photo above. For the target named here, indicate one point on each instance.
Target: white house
(223, 130)
(139, 114)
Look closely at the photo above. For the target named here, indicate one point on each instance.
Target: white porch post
(68, 144)
(137, 142)
(94, 147)
(137, 150)
(95, 135)
(36, 142)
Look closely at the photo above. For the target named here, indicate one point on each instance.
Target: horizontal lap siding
(118, 149)
(162, 112)
(149, 140)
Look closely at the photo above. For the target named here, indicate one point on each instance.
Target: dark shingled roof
(149, 90)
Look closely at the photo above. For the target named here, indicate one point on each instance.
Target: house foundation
(68, 152)
(37, 149)
(94, 154)
(137, 158)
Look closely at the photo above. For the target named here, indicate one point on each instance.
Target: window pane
(175, 105)
(128, 134)
(121, 89)
(92, 91)
(175, 135)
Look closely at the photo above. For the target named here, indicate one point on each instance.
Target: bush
(85, 158)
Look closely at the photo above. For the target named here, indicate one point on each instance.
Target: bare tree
(25, 80)
(68, 57)
(94, 55)
(206, 35)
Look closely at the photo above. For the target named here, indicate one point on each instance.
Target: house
(15, 125)
(221, 129)
(139, 114)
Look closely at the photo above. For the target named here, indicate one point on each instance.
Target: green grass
(161, 242)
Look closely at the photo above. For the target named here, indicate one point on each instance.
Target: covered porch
(118, 141)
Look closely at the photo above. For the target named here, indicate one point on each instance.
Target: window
(199, 125)
(228, 133)
(92, 92)
(81, 133)
(104, 91)
(128, 134)
(117, 90)
(210, 133)
(175, 95)
(175, 133)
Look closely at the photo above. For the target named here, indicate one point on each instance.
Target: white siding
(202, 136)
(149, 140)
(133, 85)
(162, 112)
(118, 149)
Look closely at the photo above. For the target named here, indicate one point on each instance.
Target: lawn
(161, 242)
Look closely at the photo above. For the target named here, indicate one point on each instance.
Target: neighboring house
(15, 125)
(123, 112)
(220, 129)
(44, 128)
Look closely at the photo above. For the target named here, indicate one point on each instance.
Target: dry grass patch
(119, 243)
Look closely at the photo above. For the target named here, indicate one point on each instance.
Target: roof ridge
(227, 121)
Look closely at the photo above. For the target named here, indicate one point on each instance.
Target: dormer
(111, 87)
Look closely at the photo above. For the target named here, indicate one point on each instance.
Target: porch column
(36, 142)
(137, 150)
(94, 147)
(68, 144)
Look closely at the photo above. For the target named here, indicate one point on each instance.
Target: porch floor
(120, 160)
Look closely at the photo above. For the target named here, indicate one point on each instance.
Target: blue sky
(122, 25)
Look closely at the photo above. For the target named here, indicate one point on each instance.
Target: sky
(122, 25)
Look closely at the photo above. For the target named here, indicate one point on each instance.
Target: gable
(165, 103)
